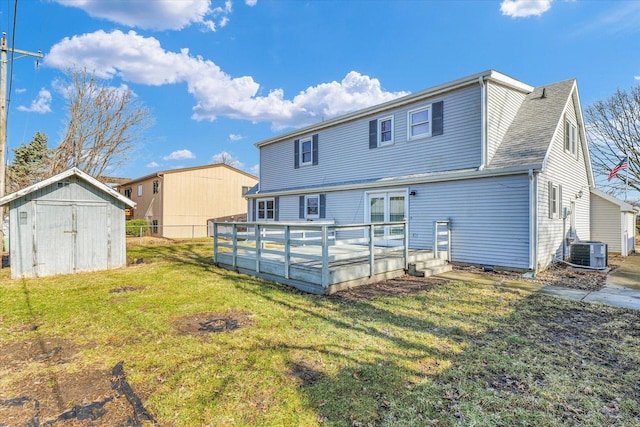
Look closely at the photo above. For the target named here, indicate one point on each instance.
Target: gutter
(533, 219)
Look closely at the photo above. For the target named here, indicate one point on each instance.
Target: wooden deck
(319, 258)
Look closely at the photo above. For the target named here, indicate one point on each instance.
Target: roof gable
(66, 174)
(531, 133)
(624, 206)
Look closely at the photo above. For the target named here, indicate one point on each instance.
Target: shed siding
(570, 172)
(605, 223)
(344, 153)
(630, 231)
(44, 249)
(489, 217)
(502, 107)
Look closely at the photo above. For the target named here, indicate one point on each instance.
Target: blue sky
(220, 76)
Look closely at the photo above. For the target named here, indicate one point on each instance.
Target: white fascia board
(406, 180)
(624, 206)
(66, 174)
(408, 99)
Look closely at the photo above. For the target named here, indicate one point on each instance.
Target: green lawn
(465, 352)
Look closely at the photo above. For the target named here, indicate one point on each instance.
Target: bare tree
(226, 158)
(613, 126)
(104, 124)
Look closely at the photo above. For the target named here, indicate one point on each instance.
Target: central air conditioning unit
(589, 254)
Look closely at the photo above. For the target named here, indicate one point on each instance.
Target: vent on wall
(589, 254)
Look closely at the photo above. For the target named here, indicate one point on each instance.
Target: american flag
(620, 166)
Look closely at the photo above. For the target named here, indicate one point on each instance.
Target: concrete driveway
(622, 288)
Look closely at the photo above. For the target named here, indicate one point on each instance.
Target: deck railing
(310, 243)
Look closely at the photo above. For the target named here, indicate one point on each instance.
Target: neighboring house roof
(624, 206)
(169, 171)
(66, 174)
(412, 98)
(528, 138)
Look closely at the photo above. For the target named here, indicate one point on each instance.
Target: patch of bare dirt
(202, 324)
(399, 286)
(87, 398)
(304, 374)
(50, 350)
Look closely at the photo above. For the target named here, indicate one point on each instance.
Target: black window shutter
(301, 208)
(323, 206)
(315, 149)
(296, 153)
(276, 209)
(437, 118)
(254, 205)
(373, 134)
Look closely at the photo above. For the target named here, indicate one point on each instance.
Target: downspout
(533, 220)
(483, 124)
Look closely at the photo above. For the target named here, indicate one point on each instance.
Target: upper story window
(306, 151)
(419, 123)
(570, 138)
(385, 131)
(155, 186)
(127, 192)
(265, 209)
(425, 121)
(140, 190)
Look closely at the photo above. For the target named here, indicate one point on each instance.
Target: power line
(13, 43)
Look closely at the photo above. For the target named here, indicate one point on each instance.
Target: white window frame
(127, 192)
(302, 142)
(139, 190)
(382, 143)
(156, 186)
(307, 215)
(410, 124)
(554, 200)
(262, 213)
(570, 138)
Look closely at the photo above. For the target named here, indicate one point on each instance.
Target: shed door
(71, 237)
(53, 239)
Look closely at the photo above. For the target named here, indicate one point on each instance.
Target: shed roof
(66, 174)
(624, 206)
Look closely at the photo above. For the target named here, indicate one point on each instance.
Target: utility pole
(3, 116)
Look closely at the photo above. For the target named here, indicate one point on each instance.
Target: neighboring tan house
(177, 203)
(505, 162)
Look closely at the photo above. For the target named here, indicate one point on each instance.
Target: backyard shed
(613, 222)
(65, 224)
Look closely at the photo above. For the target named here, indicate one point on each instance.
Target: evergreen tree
(31, 163)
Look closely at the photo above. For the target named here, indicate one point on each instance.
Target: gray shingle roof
(527, 140)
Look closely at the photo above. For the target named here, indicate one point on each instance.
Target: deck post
(258, 247)
(234, 263)
(406, 246)
(215, 241)
(287, 251)
(325, 258)
(372, 260)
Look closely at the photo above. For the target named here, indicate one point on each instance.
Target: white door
(388, 206)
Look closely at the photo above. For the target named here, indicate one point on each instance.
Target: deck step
(428, 268)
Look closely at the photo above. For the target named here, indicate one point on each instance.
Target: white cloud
(142, 60)
(155, 15)
(180, 155)
(21, 90)
(251, 3)
(152, 165)
(255, 170)
(235, 137)
(227, 159)
(524, 8)
(42, 104)
(636, 77)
